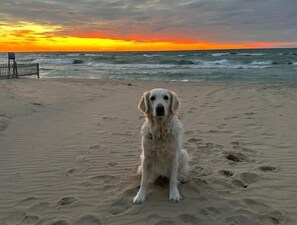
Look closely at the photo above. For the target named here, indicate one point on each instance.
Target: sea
(220, 66)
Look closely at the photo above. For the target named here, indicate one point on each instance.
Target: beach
(69, 151)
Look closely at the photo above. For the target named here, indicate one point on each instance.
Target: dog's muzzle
(160, 110)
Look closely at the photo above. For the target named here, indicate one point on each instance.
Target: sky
(146, 25)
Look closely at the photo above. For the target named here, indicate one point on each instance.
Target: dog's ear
(143, 104)
(174, 102)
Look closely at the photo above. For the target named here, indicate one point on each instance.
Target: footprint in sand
(210, 212)
(189, 132)
(268, 168)
(246, 178)
(120, 206)
(70, 171)
(37, 104)
(88, 220)
(66, 201)
(165, 222)
(236, 145)
(156, 219)
(188, 219)
(195, 140)
(26, 202)
(95, 147)
(250, 113)
(106, 179)
(112, 164)
(256, 205)
(238, 219)
(3, 124)
(239, 183)
(109, 118)
(61, 222)
(249, 177)
(226, 173)
(39, 208)
(222, 126)
(30, 219)
(274, 217)
(82, 158)
(235, 156)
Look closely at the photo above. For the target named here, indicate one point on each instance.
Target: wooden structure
(14, 70)
(18, 70)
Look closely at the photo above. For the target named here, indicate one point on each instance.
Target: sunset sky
(146, 25)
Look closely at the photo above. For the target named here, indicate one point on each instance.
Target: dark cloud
(215, 20)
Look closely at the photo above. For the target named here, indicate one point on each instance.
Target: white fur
(162, 153)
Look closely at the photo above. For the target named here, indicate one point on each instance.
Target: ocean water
(222, 66)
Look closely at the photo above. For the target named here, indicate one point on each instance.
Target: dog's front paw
(174, 195)
(139, 198)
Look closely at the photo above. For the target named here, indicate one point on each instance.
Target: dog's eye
(165, 97)
(153, 98)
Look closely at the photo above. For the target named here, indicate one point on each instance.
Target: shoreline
(70, 148)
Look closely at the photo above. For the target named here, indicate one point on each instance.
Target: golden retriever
(162, 153)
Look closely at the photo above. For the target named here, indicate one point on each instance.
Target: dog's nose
(160, 110)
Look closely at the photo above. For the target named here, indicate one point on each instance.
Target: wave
(58, 61)
(134, 66)
(251, 54)
(267, 62)
(151, 55)
(74, 54)
(93, 55)
(288, 53)
(226, 64)
(184, 64)
(177, 62)
(220, 54)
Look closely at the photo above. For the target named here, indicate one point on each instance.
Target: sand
(69, 150)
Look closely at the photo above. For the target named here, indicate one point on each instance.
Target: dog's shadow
(162, 182)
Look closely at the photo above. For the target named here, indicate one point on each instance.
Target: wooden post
(11, 56)
(15, 69)
(38, 70)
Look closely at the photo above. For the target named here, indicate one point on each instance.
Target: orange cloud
(26, 36)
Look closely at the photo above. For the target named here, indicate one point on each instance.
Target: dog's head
(159, 103)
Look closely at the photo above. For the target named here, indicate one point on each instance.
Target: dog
(162, 153)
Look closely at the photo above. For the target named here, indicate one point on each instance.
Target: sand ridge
(69, 150)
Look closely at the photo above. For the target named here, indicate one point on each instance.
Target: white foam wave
(151, 55)
(226, 64)
(93, 55)
(268, 62)
(73, 54)
(129, 66)
(198, 64)
(54, 61)
(251, 54)
(220, 54)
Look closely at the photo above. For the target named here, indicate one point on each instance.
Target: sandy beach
(69, 150)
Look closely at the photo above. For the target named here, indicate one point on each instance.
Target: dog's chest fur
(160, 140)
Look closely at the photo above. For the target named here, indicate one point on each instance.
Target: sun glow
(25, 36)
